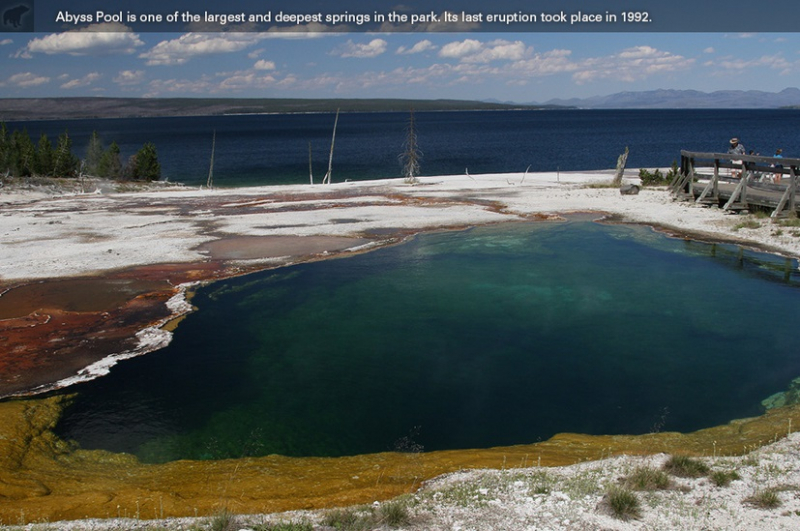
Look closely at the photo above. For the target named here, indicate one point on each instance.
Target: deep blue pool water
(493, 336)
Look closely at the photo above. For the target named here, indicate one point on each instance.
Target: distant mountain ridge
(98, 107)
(686, 99)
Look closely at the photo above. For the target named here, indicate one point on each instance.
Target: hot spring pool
(493, 336)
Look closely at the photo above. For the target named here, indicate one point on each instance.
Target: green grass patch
(622, 503)
(387, 515)
(723, 478)
(605, 184)
(764, 499)
(747, 224)
(285, 526)
(686, 467)
(393, 513)
(647, 478)
(789, 221)
(348, 519)
(223, 521)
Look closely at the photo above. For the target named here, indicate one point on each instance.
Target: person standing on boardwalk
(776, 177)
(736, 148)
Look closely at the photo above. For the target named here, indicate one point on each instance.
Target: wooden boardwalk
(741, 184)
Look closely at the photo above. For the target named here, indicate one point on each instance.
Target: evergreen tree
(94, 155)
(44, 156)
(110, 166)
(66, 164)
(5, 149)
(22, 156)
(146, 166)
(129, 171)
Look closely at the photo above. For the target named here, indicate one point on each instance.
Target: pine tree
(44, 156)
(146, 166)
(22, 156)
(110, 165)
(66, 164)
(5, 149)
(94, 154)
(129, 170)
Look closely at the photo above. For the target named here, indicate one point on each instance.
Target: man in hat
(736, 149)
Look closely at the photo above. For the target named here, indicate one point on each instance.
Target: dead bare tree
(621, 161)
(327, 178)
(310, 170)
(411, 155)
(210, 180)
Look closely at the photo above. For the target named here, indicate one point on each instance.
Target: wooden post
(716, 179)
(739, 191)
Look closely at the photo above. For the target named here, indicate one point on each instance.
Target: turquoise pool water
(493, 336)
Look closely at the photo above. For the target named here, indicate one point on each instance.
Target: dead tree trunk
(210, 180)
(310, 170)
(327, 178)
(411, 155)
(621, 161)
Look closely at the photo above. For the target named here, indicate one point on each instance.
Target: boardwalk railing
(737, 182)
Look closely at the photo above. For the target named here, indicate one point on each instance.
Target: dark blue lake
(493, 336)
(273, 149)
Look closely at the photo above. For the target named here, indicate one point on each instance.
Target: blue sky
(519, 67)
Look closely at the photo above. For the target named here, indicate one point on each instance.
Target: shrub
(622, 503)
(747, 224)
(723, 478)
(285, 526)
(764, 499)
(654, 178)
(223, 521)
(393, 514)
(647, 478)
(345, 520)
(683, 466)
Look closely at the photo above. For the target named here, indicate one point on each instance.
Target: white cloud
(243, 81)
(6, 42)
(97, 39)
(179, 86)
(373, 48)
(189, 45)
(27, 79)
(421, 46)
(773, 62)
(129, 77)
(84, 81)
(226, 82)
(474, 51)
(630, 65)
(511, 63)
(498, 51)
(264, 65)
(710, 49)
(546, 64)
(457, 50)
